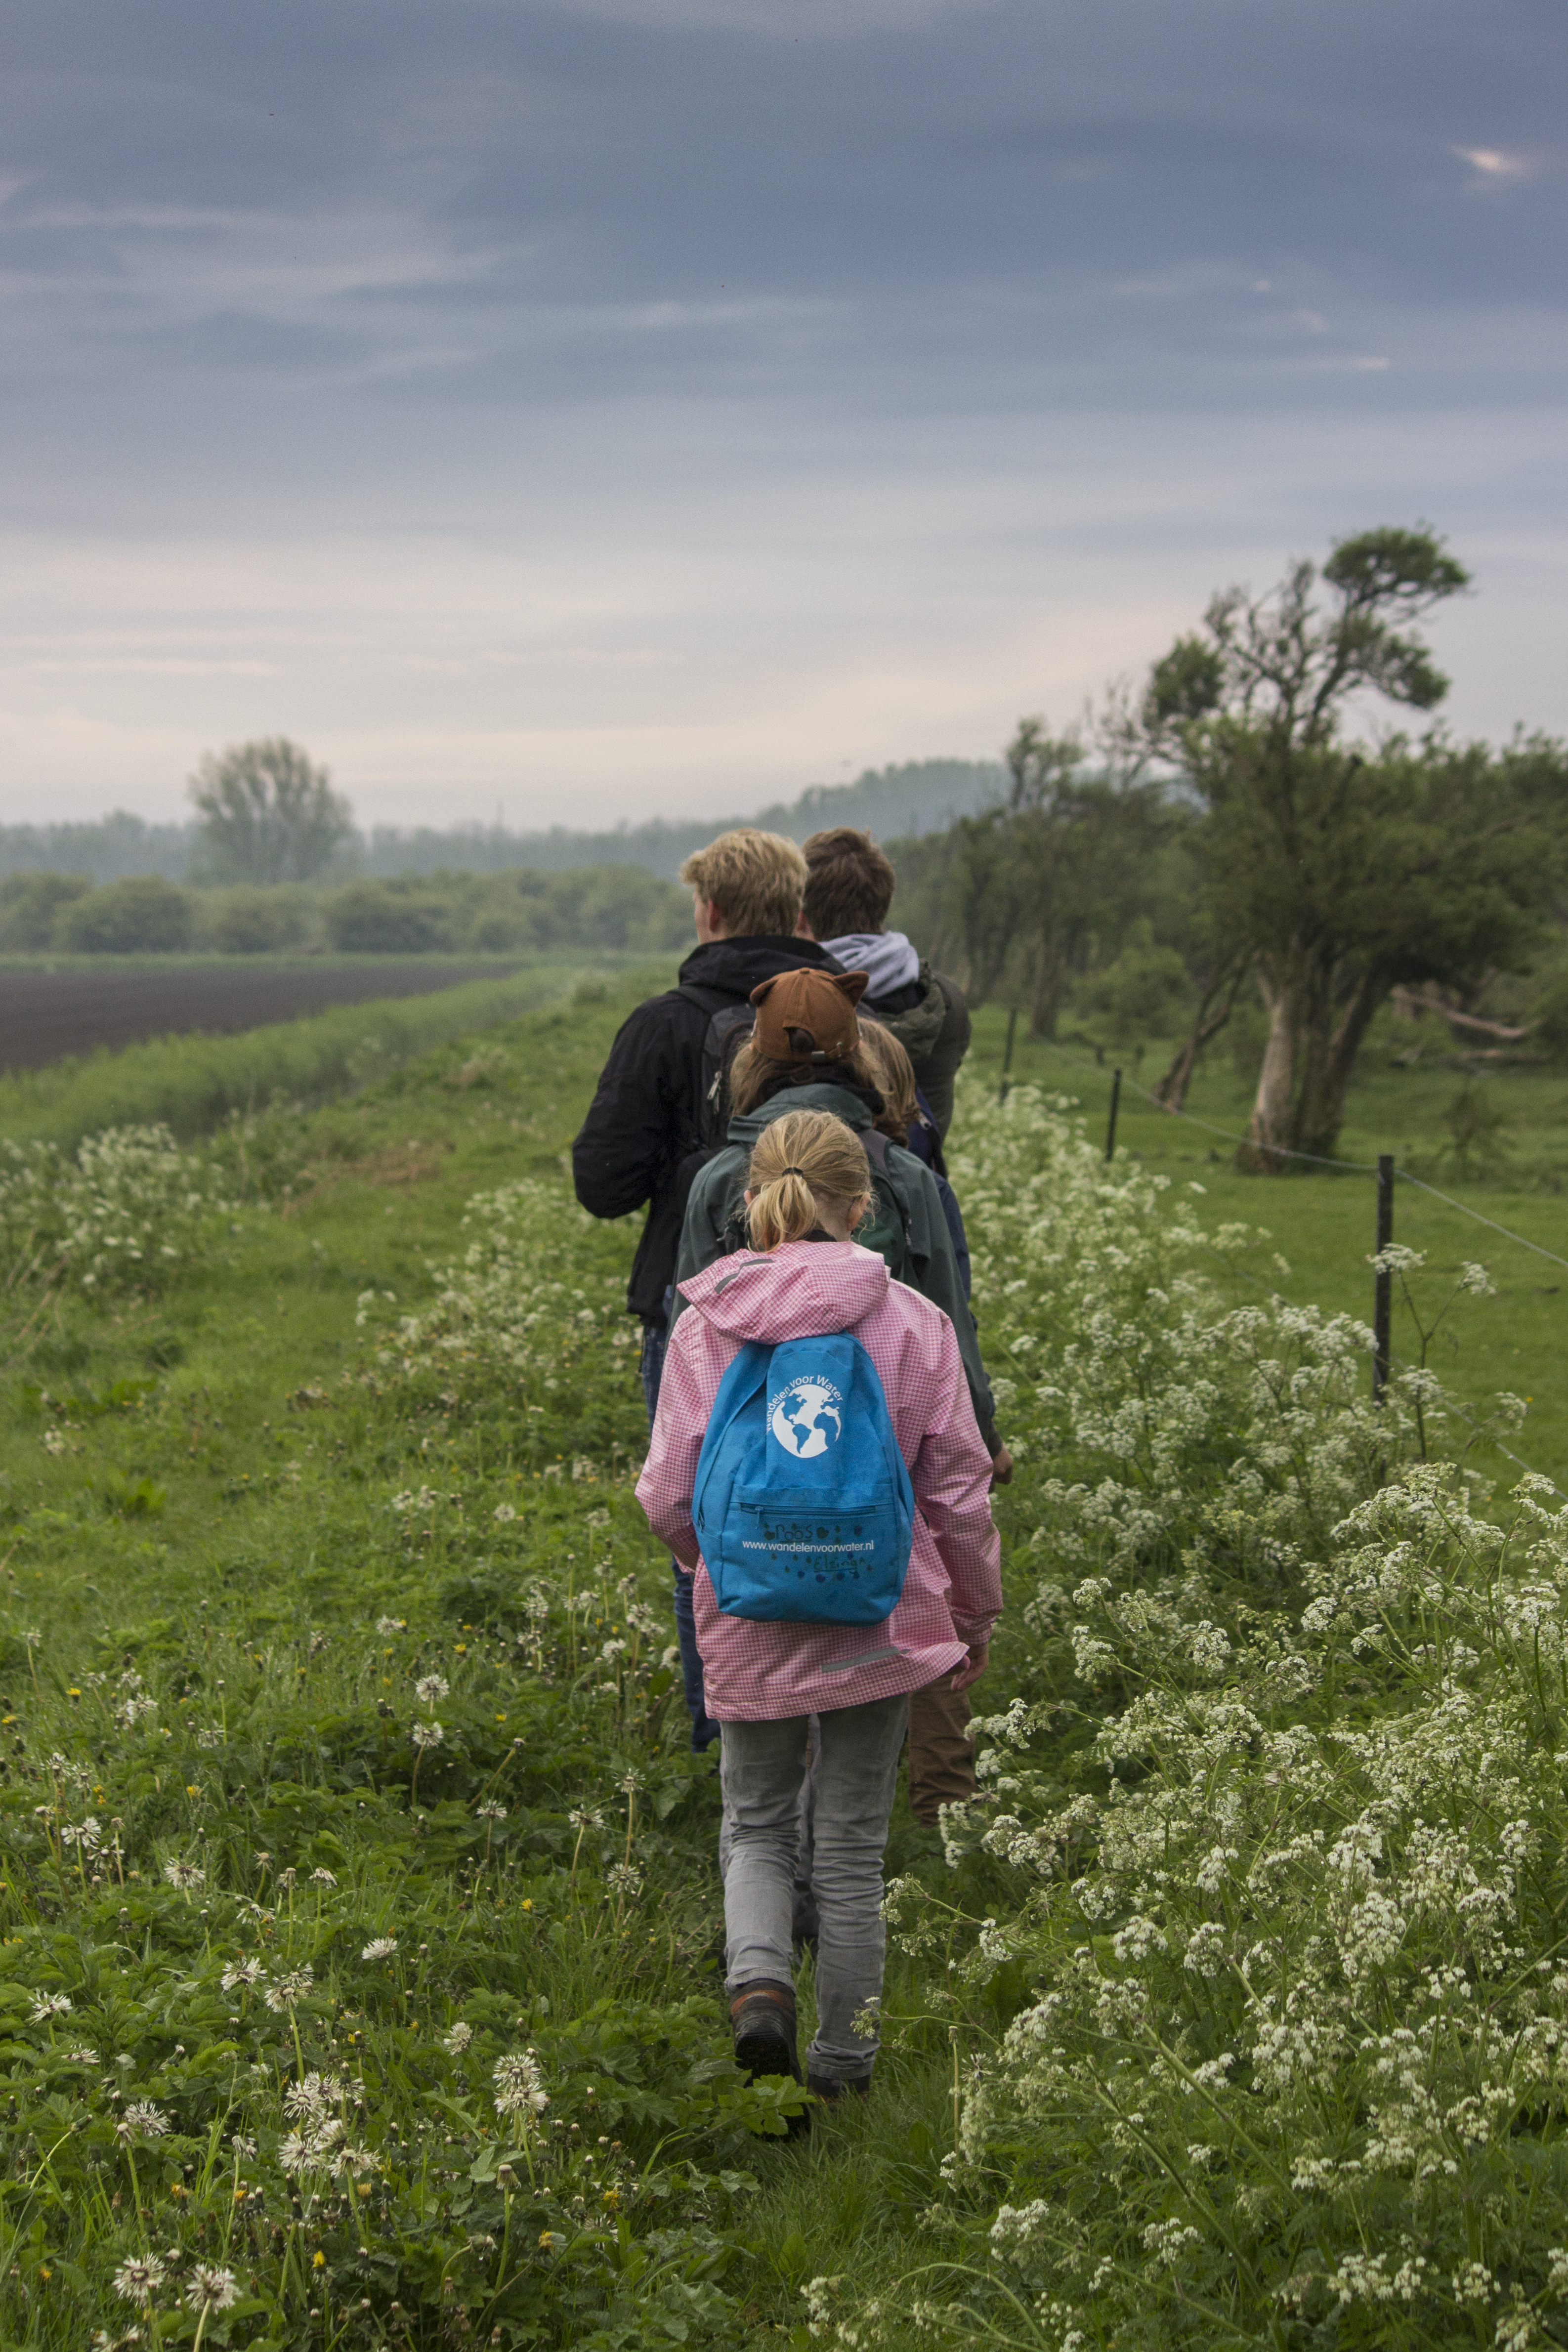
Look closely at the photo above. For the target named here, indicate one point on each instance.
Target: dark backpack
(729, 1026)
(887, 1230)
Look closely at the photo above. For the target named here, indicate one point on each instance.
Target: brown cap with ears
(808, 1017)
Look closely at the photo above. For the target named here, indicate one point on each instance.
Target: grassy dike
(213, 1497)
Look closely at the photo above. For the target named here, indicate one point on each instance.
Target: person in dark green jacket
(848, 890)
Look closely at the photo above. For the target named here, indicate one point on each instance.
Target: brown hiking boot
(762, 2017)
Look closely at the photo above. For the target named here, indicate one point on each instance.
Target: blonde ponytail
(803, 1159)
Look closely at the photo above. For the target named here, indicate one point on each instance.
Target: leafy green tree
(1042, 882)
(391, 919)
(248, 921)
(266, 813)
(1332, 870)
(1139, 994)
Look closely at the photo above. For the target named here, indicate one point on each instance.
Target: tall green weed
(1254, 1942)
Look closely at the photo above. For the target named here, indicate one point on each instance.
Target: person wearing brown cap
(808, 1017)
(806, 1053)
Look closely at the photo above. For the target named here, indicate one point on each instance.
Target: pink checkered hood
(757, 1673)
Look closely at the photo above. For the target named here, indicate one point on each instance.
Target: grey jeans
(762, 1769)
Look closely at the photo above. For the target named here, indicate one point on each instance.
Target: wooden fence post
(1007, 1056)
(1115, 1106)
(1383, 1286)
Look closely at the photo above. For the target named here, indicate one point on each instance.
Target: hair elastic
(795, 1171)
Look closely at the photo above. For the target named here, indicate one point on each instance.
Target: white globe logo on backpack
(806, 1417)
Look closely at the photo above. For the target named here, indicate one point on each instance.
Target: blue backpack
(803, 1504)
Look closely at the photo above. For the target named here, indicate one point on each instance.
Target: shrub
(521, 912)
(1141, 995)
(388, 918)
(143, 915)
(31, 905)
(251, 922)
(124, 1213)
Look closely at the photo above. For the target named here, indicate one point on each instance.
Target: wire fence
(1450, 1404)
(1339, 1168)
(1309, 1159)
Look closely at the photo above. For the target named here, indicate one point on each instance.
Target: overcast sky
(620, 406)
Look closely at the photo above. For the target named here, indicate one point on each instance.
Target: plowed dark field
(44, 1015)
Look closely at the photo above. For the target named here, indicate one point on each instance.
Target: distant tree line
(1241, 849)
(239, 843)
(1225, 847)
(518, 913)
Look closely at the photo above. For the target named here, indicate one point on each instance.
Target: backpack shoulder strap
(730, 1022)
(727, 1032)
(874, 1143)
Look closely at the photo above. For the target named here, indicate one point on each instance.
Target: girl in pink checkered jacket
(766, 1682)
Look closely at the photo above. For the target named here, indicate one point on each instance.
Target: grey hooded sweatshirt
(924, 1009)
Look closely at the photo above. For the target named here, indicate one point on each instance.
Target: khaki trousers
(942, 1755)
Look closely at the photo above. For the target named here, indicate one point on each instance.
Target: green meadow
(1324, 1223)
(359, 1983)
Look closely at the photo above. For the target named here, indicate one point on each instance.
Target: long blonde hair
(752, 1078)
(895, 1080)
(802, 1158)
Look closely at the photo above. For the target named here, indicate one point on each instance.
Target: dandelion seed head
(211, 2288)
(138, 2280)
(520, 2086)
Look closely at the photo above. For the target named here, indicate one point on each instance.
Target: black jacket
(642, 1138)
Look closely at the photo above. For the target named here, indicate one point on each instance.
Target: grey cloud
(468, 264)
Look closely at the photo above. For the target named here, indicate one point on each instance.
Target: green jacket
(934, 1033)
(933, 1270)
